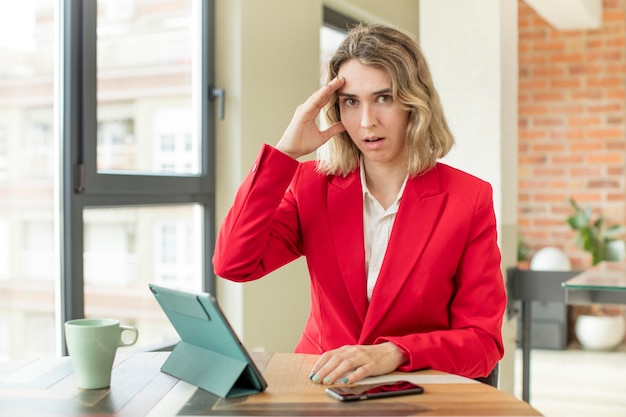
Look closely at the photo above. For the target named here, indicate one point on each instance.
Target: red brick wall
(572, 126)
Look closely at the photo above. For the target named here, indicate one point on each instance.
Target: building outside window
(146, 122)
(26, 178)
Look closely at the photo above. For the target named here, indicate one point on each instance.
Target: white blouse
(377, 225)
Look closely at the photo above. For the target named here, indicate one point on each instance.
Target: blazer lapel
(345, 208)
(419, 212)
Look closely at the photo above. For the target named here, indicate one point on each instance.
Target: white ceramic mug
(92, 344)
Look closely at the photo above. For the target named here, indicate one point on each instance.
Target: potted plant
(598, 326)
(523, 253)
(594, 236)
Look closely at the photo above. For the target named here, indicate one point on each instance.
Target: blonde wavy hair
(428, 136)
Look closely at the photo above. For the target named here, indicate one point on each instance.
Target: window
(40, 332)
(38, 144)
(116, 143)
(5, 244)
(148, 178)
(5, 346)
(106, 171)
(177, 151)
(36, 260)
(146, 58)
(332, 33)
(4, 153)
(27, 159)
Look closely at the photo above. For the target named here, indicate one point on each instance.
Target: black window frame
(81, 186)
(337, 20)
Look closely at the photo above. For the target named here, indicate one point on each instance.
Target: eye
(384, 98)
(349, 102)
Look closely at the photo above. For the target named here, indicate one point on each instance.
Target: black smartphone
(371, 391)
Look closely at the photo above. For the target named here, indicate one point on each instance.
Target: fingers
(303, 135)
(321, 96)
(333, 130)
(350, 364)
(355, 376)
(345, 365)
(333, 366)
(316, 102)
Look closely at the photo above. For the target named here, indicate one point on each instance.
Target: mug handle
(131, 329)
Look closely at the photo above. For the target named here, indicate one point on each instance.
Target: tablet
(209, 354)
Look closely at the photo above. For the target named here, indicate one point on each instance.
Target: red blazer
(440, 294)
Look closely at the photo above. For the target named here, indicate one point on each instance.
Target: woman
(401, 249)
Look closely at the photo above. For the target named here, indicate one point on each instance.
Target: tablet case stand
(194, 361)
(208, 370)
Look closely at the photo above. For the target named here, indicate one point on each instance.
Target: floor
(576, 383)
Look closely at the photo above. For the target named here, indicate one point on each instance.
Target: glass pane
(330, 39)
(610, 276)
(27, 158)
(125, 249)
(148, 117)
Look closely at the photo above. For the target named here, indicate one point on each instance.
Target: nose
(368, 117)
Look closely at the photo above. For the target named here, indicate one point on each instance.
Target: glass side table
(605, 283)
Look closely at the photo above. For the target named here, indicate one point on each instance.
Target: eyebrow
(375, 93)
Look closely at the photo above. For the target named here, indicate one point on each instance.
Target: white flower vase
(615, 250)
(600, 332)
(550, 259)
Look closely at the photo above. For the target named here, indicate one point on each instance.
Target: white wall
(267, 54)
(472, 51)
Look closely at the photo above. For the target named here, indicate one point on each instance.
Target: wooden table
(47, 387)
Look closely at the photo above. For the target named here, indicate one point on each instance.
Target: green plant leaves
(591, 236)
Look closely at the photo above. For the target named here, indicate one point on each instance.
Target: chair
(528, 287)
(492, 378)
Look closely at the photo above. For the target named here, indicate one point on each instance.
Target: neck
(384, 181)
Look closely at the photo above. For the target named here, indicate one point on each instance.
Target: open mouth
(370, 140)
